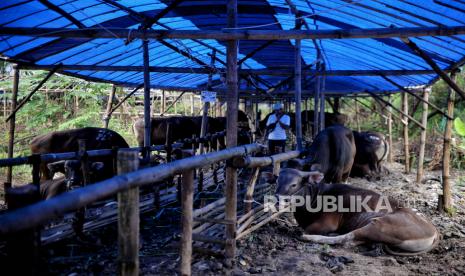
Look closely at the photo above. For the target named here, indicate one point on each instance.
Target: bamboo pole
(147, 120)
(236, 34)
(187, 195)
(316, 98)
(163, 102)
(128, 217)
(446, 184)
(357, 110)
(255, 162)
(424, 121)
(231, 138)
(192, 104)
(405, 132)
(106, 119)
(126, 98)
(298, 93)
(11, 136)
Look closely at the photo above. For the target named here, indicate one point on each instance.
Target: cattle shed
(260, 51)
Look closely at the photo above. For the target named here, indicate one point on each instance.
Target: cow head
(73, 173)
(290, 181)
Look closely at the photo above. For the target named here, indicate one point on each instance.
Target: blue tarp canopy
(179, 62)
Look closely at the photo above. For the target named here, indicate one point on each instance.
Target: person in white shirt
(277, 124)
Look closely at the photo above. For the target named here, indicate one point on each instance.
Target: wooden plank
(128, 218)
(405, 132)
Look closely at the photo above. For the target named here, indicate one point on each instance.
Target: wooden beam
(187, 203)
(416, 96)
(271, 71)
(236, 34)
(433, 65)
(28, 97)
(254, 51)
(63, 13)
(390, 155)
(424, 121)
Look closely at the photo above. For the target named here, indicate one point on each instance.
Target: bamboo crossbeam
(28, 216)
(253, 162)
(396, 109)
(235, 34)
(125, 99)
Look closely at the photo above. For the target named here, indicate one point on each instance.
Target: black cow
(372, 150)
(332, 153)
(67, 141)
(307, 118)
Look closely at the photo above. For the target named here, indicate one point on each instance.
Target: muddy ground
(275, 249)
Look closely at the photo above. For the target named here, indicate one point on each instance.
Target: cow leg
(345, 239)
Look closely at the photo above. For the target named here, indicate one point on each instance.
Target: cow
(381, 220)
(307, 117)
(188, 126)
(372, 150)
(67, 141)
(332, 152)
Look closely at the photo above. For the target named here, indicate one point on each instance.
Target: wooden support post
(321, 118)
(298, 93)
(106, 119)
(424, 121)
(250, 189)
(125, 98)
(11, 136)
(446, 185)
(128, 217)
(147, 120)
(405, 131)
(231, 134)
(187, 221)
(389, 111)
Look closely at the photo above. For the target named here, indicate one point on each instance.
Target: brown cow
(67, 141)
(396, 227)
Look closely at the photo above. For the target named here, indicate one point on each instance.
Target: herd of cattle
(335, 154)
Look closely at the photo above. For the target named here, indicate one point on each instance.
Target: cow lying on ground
(394, 226)
(372, 150)
(307, 118)
(188, 126)
(67, 141)
(332, 152)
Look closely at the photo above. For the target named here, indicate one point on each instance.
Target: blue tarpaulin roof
(365, 54)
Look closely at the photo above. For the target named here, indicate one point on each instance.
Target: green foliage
(459, 126)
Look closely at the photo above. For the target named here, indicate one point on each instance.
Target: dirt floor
(275, 249)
